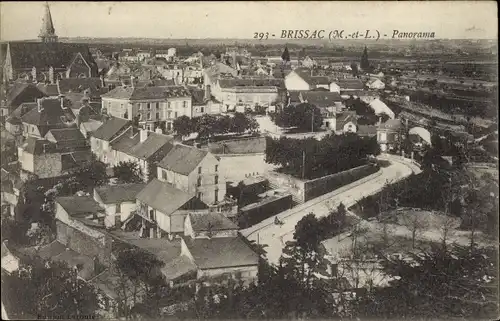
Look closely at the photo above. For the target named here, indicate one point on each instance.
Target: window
(169, 114)
(119, 208)
(164, 175)
(157, 115)
(149, 116)
(175, 115)
(216, 168)
(199, 170)
(202, 109)
(184, 104)
(157, 105)
(216, 180)
(152, 215)
(168, 105)
(149, 105)
(198, 183)
(216, 196)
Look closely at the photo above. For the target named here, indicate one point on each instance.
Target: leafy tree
(365, 64)
(239, 123)
(205, 126)
(285, 56)
(304, 116)
(308, 233)
(128, 172)
(439, 284)
(92, 174)
(48, 289)
(183, 125)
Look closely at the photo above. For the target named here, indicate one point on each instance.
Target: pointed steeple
(47, 32)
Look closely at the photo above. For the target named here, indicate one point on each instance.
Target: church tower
(47, 32)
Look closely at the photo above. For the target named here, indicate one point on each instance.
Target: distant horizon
(464, 20)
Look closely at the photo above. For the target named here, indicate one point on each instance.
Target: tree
(239, 123)
(416, 224)
(183, 125)
(438, 284)
(205, 126)
(48, 289)
(285, 56)
(308, 233)
(365, 64)
(128, 172)
(92, 174)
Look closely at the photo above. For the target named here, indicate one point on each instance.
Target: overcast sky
(448, 19)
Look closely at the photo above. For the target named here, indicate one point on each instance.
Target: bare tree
(447, 228)
(416, 224)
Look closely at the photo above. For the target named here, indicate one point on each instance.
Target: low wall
(317, 187)
(257, 212)
(249, 145)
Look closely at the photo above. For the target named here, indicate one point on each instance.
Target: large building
(48, 59)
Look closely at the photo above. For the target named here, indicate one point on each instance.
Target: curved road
(275, 236)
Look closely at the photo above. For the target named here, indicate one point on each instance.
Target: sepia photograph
(253, 160)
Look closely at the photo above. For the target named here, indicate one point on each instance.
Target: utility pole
(312, 120)
(303, 163)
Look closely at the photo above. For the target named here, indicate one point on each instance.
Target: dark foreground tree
(128, 172)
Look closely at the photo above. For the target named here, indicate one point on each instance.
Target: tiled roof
(91, 125)
(350, 84)
(163, 197)
(36, 146)
(43, 55)
(367, 130)
(52, 114)
(23, 109)
(147, 92)
(48, 89)
(305, 74)
(78, 85)
(197, 96)
(125, 142)
(345, 117)
(183, 159)
(66, 134)
(17, 90)
(221, 252)
(211, 221)
(110, 128)
(151, 145)
(111, 194)
(321, 99)
(79, 206)
(237, 82)
(178, 267)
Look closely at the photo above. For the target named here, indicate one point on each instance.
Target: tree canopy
(305, 117)
(128, 172)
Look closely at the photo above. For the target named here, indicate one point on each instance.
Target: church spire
(47, 32)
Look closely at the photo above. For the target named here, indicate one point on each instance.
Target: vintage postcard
(249, 160)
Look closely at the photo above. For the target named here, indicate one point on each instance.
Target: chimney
(58, 87)
(33, 73)
(40, 104)
(143, 135)
(207, 92)
(61, 98)
(158, 130)
(103, 83)
(51, 75)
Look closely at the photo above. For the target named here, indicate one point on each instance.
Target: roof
(57, 251)
(23, 109)
(346, 117)
(183, 159)
(422, 133)
(78, 85)
(42, 55)
(367, 130)
(112, 194)
(108, 283)
(48, 89)
(178, 267)
(294, 95)
(391, 124)
(66, 134)
(381, 108)
(124, 143)
(151, 145)
(17, 89)
(305, 74)
(197, 96)
(35, 146)
(51, 114)
(79, 205)
(321, 98)
(211, 221)
(255, 82)
(110, 128)
(350, 83)
(163, 197)
(221, 252)
(147, 92)
(91, 125)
